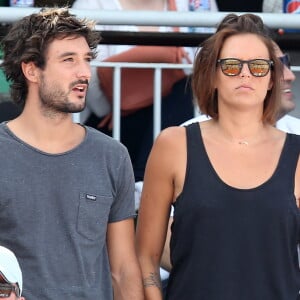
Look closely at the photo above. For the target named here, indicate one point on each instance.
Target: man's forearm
(129, 287)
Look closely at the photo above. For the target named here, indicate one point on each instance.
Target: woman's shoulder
(171, 134)
(169, 141)
(168, 154)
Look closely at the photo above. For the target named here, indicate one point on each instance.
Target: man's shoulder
(98, 135)
(98, 139)
(197, 119)
(4, 133)
(289, 124)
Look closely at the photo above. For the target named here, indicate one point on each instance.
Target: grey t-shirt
(54, 211)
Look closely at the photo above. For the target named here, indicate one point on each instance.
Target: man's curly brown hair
(28, 39)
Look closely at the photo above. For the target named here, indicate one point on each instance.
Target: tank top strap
(289, 158)
(195, 145)
(194, 139)
(197, 158)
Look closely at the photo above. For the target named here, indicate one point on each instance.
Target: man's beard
(55, 101)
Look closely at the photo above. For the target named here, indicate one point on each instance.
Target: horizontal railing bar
(295, 68)
(141, 65)
(157, 18)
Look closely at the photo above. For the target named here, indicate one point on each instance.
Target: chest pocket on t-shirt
(93, 215)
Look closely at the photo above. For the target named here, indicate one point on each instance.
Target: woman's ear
(30, 71)
(270, 85)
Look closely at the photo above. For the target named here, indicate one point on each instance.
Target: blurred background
(289, 42)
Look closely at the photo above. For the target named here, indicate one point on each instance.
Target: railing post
(157, 102)
(117, 103)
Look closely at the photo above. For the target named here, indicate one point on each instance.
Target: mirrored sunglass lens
(231, 67)
(259, 67)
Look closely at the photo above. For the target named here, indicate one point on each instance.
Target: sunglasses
(285, 59)
(6, 289)
(233, 66)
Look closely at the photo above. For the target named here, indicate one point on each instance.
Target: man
(285, 121)
(66, 190)
(10, 276)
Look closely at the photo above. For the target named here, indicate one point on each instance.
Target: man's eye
(69, 59)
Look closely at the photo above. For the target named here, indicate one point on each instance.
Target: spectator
(272, 6)
(286, 123)
(269, 6)
(236, 180)
(67, 209)
(11, 281)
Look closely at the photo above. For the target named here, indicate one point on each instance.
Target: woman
(234, 181)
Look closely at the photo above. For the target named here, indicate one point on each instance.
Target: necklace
(240, 139)
(244, 143)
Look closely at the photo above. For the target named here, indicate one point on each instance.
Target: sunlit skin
(243, 150)
(64, 81)
(287, 105)
(12, 296)
(243, 89)
(55, 91)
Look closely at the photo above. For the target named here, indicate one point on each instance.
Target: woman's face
(243, 91)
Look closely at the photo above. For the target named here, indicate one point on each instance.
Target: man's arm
(125, 270)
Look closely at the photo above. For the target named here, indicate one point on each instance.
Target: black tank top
(235, 244)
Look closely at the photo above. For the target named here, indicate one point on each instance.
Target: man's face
(64, 81)
(4, 290)
(287, 97)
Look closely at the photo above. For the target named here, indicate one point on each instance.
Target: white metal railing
(157, 89)
(158, 67)
(157, 18)
(150, 18)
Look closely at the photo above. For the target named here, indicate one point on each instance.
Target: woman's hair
(205, 65)
(29, 38)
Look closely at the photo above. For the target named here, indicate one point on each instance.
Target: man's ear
(30, 71)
